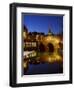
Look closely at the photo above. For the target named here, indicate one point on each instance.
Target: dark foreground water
(44, 69)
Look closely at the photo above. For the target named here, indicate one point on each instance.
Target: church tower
(49, 32)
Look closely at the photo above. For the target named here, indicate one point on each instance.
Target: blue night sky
(42, 23)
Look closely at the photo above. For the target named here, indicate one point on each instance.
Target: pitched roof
(25, 28)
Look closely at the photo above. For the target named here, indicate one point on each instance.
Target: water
(45, 68)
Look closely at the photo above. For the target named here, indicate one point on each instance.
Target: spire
(49, 32)
(25, 29)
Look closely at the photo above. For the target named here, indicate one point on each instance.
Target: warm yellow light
(24, 34)
(24, 64)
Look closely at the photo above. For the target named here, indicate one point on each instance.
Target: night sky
(42, 23)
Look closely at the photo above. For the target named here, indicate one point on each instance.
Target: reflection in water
(41, 63)
(44, 68)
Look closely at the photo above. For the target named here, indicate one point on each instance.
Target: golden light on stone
(25, 64)
(24, 34)
(45, 40)
(55, 56)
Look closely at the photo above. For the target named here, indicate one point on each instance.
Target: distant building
(25, 32)
(35, 42)
(38, 40)
(49, 32)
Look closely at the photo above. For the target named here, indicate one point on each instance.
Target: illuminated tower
(49, 32)
(25, 32)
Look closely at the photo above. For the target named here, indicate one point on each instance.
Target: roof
(25, 28)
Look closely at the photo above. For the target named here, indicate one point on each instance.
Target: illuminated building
(43, 48)
(25, 32)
